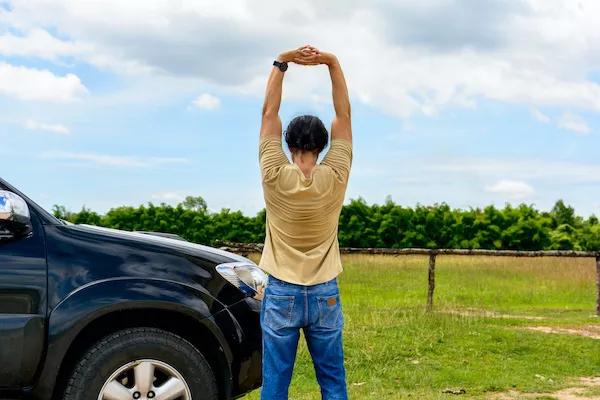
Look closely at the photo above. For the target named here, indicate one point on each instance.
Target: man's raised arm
(271, 123)
(341, 127)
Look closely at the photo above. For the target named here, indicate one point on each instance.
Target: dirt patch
(591, 331)
(582, 389)
(476, 312)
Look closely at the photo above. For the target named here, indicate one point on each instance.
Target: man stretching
(301, 254)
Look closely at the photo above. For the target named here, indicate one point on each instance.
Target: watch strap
(282, 65)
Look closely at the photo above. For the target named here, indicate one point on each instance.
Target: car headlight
(247, 277)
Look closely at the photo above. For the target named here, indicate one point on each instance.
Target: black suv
(100, 314)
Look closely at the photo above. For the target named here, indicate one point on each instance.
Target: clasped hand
(307, 55)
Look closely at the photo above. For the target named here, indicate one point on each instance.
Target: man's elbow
(345, 112)
(269, 112)
(344, 115)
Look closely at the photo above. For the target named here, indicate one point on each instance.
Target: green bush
(362, 225)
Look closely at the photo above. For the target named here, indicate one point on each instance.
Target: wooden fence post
(431, 281)
(598, 284)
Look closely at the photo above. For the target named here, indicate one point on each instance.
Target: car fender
(96, 299)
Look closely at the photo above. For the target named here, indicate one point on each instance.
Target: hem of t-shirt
(302, 283)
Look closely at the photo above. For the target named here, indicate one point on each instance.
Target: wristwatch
(281, 65)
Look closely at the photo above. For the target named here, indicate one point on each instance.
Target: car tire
(120, 349)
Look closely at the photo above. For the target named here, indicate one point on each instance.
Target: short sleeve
(271, 158)
(339, 159)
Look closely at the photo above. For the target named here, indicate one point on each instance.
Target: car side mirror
(15, 221)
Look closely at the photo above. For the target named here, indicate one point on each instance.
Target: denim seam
(291, 311)
(306, 321)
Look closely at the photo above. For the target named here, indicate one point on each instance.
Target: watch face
(283, 66)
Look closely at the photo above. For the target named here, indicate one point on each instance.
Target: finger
(311, 58)
(307, 57)
(306, 63)
(303, 61)
(306, 52)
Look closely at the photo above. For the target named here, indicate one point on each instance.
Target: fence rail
(244, 248)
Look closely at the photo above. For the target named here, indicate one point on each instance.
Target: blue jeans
(316, 309)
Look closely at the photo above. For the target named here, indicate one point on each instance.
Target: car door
(22, 305)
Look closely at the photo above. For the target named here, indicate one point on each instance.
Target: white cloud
(41, 126)
(568, 121)
(540, 116)
(514, 190)
(207, 101)
(114, 160)
(573, 123)
(169, 197)
(39, 84)
(39, 43)
(404, 57)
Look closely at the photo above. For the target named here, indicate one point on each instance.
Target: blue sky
(126, 103)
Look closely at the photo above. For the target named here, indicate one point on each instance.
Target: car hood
(168, 243)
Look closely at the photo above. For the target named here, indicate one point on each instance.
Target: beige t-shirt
(301, 243)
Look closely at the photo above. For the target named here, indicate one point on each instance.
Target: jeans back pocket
(278, 311)
(330, 312)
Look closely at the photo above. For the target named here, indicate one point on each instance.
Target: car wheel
(140, 364)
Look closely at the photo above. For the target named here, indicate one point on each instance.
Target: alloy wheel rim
(145, 379)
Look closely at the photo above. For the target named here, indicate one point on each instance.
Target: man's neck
(306, 161)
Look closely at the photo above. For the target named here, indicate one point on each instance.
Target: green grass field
(476, 339)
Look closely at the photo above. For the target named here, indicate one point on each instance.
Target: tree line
(521, 227)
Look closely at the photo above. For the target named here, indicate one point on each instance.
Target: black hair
(307, 133)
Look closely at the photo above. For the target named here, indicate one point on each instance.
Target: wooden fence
(245, 248)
